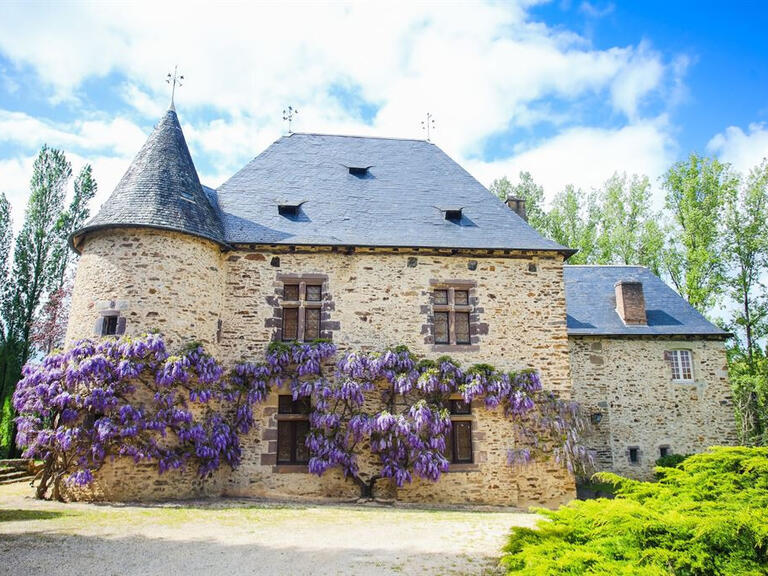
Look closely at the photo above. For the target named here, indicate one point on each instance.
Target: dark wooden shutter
(120, 326)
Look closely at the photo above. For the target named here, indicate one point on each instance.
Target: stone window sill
(290, 469)
(463, 468)
(455, 348)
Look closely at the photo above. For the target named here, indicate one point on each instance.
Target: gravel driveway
(238, 537)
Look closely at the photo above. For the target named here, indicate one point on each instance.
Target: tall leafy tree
(6, 239)
(35, 267)
(37, 253)
(629, 229)
(528, 190)
(572, 221)
(745, 239)
(72, 219)
(696, 191)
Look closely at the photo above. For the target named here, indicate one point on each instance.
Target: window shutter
(121, 325)
(99, 326)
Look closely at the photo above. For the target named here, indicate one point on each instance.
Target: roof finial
(174, 80)
(427, 124)
(288, 114)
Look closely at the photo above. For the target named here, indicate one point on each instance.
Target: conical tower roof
(160, 189)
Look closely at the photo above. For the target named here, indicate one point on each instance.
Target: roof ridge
(356, 136)
(607, 266)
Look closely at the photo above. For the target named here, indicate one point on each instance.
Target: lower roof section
(590, 298)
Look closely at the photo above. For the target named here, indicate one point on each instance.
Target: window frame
(452, 437)
(299, 414)
(301, 306)
(677, 366)
(451, 308)
(106, 321)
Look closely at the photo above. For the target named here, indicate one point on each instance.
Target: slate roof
(161, 189)
(590, 300)
(399, 202)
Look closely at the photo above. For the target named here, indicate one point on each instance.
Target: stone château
(376, 242)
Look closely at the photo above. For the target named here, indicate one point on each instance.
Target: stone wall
(189, 290)
(373, 300)
(155, 280)
(629, 384)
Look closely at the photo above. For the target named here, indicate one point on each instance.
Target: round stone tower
(151, 259)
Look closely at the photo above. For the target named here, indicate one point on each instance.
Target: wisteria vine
(129, 397)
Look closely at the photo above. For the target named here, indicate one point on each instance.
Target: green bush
(708, 516)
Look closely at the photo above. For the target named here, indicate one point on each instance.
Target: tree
(745, 239)
(629, 229)
(71, 220)
(528, 190)
(35, 263)
(572, 222)
(6, 238)
(696, 191)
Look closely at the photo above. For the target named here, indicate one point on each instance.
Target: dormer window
(288, 210)
(359, 171)
(453, 214)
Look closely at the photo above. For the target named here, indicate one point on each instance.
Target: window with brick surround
(451, 312)
(458, 442)
(302, 314)
(292, 429)
(681, 364)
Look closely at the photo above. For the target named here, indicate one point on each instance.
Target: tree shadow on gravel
(80, 555)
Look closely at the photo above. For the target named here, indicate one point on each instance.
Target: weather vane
(288, 115)
(428, 124)
(174, 80)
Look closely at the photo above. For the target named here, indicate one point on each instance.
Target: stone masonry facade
(190, 289)
(626, 385)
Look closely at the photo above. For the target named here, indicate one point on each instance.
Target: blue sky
(570, 91)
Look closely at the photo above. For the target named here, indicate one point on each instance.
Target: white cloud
(744, 150)
(479, 68)
(587, 157)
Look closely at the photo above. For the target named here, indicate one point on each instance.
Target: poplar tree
(745, 242)
(34, 271)
(572, 221)
(629, 229)
(696, 192)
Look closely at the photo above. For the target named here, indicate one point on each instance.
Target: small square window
(461, 320)
(441, 296)
(681, 364)
(291, 292)
(109, 326)
(634, 455)
(461, 297)
(442, 335)
(314, 293)
(663, 451)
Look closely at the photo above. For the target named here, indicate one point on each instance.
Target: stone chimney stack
(518, 206)
(630, 302)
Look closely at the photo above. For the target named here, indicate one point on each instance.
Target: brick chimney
(630, 302)
(518, 206)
